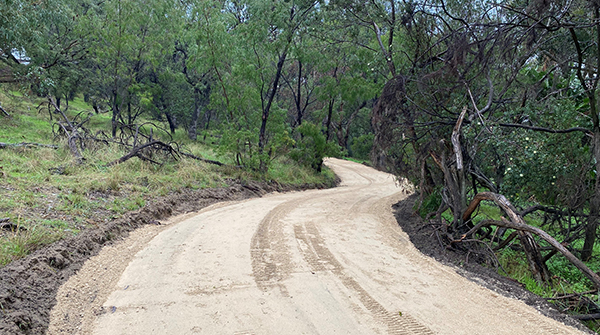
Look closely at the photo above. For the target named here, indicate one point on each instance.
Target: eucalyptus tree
(38, 37)
(264, 35)
(127, 39)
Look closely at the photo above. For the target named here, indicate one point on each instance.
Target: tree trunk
(538, 267)
(262, 136)
(115, 116)
(192, 132)
(461, 181)
(207, 117)
(299, 98)
(172, 121)
(592, 224)
(329, 116)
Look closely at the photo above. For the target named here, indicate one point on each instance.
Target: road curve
(316, 262)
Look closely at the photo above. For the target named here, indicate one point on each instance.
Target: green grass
(45, 193)
(358, 160)
(285, 171)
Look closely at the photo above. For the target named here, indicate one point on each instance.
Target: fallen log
(517, 223)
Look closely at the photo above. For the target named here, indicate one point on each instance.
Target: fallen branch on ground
(586, 317)
(517, 223)
(137, 152)
(27, 145)
(4, 111)
(573, 295)
(202, 159)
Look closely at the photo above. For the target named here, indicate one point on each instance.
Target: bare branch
(546, 130)
(517, 223)
(4, 111)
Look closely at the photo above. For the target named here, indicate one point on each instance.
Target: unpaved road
(317, 262)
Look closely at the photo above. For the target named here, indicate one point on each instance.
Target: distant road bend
(316, 262)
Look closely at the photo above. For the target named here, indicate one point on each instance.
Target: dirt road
(317, 262)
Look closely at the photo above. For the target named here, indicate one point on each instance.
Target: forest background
(469, 100)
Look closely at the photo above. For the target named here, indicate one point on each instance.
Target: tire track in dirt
(319, 258)
(270, 255)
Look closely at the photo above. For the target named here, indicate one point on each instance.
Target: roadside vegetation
(47, 196)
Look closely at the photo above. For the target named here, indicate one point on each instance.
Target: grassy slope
(48, 197)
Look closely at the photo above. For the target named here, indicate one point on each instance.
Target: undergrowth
(566, 278)
(47, 197)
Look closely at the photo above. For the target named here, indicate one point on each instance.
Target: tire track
(319, 258)
(270, 257)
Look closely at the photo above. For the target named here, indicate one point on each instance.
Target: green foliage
(430, 204)
(312, 147)
(361, 146)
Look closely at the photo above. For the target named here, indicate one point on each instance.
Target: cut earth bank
(29, 285)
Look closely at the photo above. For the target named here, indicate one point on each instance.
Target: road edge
(29, 285)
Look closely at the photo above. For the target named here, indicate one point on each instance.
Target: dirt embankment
(28, 286)
(424, 239)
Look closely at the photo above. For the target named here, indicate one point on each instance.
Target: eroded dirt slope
(315, 262)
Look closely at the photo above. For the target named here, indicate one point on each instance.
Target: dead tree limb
(454, 175)
(210, 161)
(27, 145)
(517, 223)
(572, 295)
(71, 131)
(137, 152)
(4, 111)
(550, 210)
(586, 317)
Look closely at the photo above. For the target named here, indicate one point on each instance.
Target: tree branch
(517, 223)
(27, 145)
(4, 112)
(546, 130)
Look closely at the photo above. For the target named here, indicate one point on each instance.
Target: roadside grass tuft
(26, 239)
